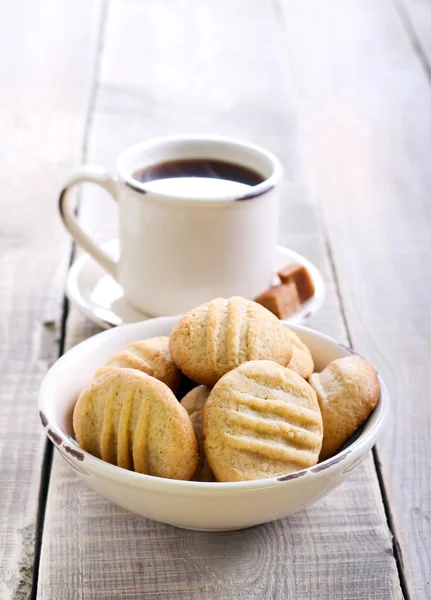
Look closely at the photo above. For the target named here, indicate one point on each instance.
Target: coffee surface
(198, 178)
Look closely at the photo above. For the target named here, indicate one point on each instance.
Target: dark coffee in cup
(198, 177)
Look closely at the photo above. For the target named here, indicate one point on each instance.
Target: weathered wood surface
(45, 82)
(364, 104)
(416, 18)
(166, 69)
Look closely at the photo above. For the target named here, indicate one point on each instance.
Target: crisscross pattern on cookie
(134, 421)
(261, 420)
(218, 336)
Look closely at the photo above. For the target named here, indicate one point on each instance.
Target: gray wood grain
(364, 102)
(45, 78)
(338, 549)
(166, 69)
(416, 17)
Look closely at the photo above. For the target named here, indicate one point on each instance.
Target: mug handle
(87, 174)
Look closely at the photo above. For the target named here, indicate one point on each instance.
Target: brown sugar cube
(298, 274)
(282, 300)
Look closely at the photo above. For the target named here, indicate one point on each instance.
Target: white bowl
(189, 504)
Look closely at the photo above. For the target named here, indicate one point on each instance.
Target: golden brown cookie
(301, 361)
(348, 390)
(261, 420)
(216, 337)
(134, 421)
(150, 356)
(194, 402)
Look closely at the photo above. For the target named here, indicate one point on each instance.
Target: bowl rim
(72, 451)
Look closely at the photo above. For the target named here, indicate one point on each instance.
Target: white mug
(177, 252)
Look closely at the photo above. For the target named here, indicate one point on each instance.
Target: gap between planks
(396, 547)
(408, 22)
(412, 34)
(48, 452)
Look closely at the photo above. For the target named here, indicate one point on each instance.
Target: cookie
(301, 361)
(150, 356)
(194, 402)
(348, 390)
(261, 420)
(216, 337)
(134, 421)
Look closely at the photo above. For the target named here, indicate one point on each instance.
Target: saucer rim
(96, 313)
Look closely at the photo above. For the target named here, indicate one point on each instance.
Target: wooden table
(340, 90)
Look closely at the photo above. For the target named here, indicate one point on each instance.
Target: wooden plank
(167, 70)
(364, 102)
(45, 79)
(338, 549)
(416, 17)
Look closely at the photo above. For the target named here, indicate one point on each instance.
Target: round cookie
(216, 337)
(150, 356)
(261, 420)
(347, 390)
(194, 402)
(134, 421)
(301, 361)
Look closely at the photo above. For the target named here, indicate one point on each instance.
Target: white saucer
(100, 298)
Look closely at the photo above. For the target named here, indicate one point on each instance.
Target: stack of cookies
(256, 410)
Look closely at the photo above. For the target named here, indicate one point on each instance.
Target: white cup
(177, 252)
